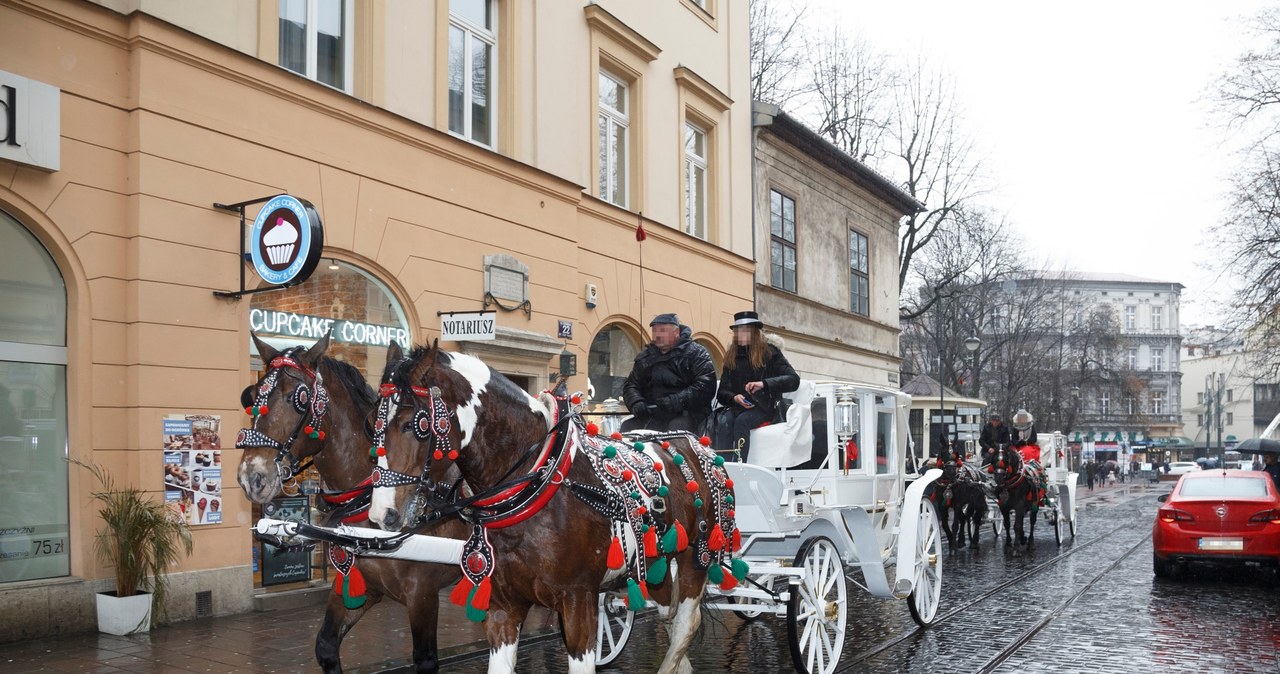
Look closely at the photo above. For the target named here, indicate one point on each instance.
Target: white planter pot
(124, 615)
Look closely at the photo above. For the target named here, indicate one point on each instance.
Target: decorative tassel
(650, 543)
(737, 540)
(461, 591)
(353, 588)
(716, 540)
(716, 574)
(635, 596)
(657, 571)
(615, 558)
(474, 614)
(739, 568)
(728, 583)
(682, 537)
(671, 539)
(481, 598)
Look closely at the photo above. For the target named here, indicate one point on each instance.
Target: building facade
(827, 250)
(573, 168)
(1224, 398)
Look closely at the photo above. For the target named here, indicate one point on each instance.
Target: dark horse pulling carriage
(307, 406)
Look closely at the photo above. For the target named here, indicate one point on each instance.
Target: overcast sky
(1093, 120)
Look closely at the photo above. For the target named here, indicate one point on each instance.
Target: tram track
(1026, 635)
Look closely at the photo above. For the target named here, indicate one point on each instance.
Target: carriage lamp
(846, 412)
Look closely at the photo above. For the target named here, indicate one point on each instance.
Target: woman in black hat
(755, 376)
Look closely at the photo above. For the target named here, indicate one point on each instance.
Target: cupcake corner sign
(286, 241)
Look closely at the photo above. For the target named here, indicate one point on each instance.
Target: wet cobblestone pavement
(1100, 607)
(1093, 605)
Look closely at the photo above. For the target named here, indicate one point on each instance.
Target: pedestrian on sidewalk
(1089, 471)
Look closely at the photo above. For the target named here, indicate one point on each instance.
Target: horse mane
(352, 380)
(401, 374)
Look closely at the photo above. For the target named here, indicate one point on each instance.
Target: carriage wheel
(749, 615)
(818, 608)
(997, 521)
(1072, 524)
(1058, 524)
(927, 578)
(613, 628)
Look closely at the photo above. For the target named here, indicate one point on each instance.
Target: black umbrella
(1259, 446)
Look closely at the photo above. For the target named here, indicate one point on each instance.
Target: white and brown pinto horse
(558, 514)
(309, 406)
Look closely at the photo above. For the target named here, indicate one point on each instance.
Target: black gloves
(642, 409)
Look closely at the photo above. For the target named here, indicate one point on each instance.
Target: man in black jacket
(672, 381)
(994, 434)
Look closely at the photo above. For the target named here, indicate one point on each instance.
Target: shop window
(359, 309)
(364, 317)
(33, 409)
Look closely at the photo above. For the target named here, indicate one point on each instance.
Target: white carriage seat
(757, 495)
(789, 443)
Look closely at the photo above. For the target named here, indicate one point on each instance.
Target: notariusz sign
(30, 122)
(469, 327)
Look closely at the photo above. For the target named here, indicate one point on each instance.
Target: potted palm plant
(141, 538)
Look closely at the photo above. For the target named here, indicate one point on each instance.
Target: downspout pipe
(762, 116)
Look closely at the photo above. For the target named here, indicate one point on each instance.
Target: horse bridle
(1013, 470)
(440, 499)
(312, 406)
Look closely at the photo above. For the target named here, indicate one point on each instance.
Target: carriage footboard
(416, 548)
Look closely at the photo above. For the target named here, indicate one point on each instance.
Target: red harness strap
(564, 461)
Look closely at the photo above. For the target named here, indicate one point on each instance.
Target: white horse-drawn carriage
(823, 495)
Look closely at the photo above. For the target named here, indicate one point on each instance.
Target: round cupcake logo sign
(286, 240)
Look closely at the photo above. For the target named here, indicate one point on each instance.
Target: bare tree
(932, 156)
(1249, 234)
(776, 58)
(852, 93)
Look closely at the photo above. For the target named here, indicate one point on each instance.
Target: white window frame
(1104, 403)
(1157, 402)
(470, 31)
(1130, 317)
(691, 161)
(1132, 359)
(1157, 319)
(1157, 360)
(348, 43)
(609, 119)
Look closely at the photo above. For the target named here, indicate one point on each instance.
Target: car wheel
(1163, 568)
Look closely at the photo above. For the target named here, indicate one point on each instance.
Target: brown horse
(534, 543)
(299, 413)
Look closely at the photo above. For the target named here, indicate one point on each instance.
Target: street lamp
(972, 344)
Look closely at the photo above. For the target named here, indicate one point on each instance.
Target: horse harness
(312, 406)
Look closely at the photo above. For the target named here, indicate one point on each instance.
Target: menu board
(279, 566)
(193, 466)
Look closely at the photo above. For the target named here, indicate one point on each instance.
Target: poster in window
(193, 466)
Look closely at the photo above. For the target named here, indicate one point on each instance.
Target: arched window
(360, 310)
(612, 354)
(33, 409)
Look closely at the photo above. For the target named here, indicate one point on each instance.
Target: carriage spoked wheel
(613, 628)
(748, 615)
(818, 608)
(927, 577)
(1055, 514)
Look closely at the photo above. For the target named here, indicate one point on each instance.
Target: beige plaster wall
(158, 123)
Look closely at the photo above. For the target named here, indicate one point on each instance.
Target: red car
(1218, 516)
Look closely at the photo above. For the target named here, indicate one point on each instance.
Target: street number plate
(1222, 544)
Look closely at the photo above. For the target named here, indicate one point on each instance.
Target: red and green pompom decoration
(615, 558)
(474, 597)
(691, 486)
(351, 587)
(376, 451)
(638, 446)
(666, 445)
(704, 441)
(610, 451)
(615, 436)
(256, 410)
(592, 429)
